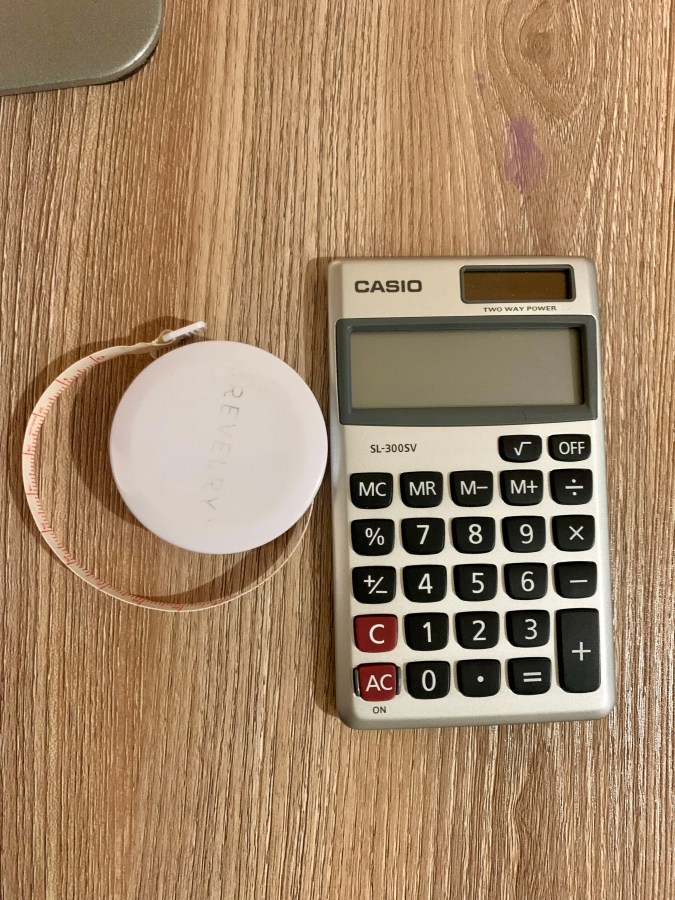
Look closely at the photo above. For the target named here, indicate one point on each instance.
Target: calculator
(471, 550)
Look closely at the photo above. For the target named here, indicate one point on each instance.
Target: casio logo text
(390, 286)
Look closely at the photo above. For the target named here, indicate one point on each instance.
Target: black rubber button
(525, 628)
(428, 680)
(573, 533)
(423, 536)
(374, 584)
(371, 490)
(576, 580)
(373, 537)
(475, 582)
(524, 534)
(522, 487)
(473, 535)
(421, 489)
(472, 488)
(479, 677)
(425, 584)
(530, 676)
(569, 447)
(571, 487)
(426, 631)
(579, 650)
(477, 631)
(520, 448)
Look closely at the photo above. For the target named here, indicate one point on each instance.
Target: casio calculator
(471, 551)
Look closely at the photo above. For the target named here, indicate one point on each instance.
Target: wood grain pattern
(146, 755)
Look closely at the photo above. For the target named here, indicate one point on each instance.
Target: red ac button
(376, 634)
(377, 682)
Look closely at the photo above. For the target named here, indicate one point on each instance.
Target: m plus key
(523, 487)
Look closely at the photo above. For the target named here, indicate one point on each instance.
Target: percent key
(373, 537)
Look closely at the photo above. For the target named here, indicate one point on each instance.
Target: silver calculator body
(471, 551)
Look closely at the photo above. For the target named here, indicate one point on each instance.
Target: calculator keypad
(503, 598)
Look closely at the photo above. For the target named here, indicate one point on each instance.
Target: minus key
(576, 580)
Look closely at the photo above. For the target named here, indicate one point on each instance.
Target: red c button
(376, 634)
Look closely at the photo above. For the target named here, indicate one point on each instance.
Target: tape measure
(63, 383)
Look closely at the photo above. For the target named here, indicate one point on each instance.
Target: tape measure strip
(31, 487)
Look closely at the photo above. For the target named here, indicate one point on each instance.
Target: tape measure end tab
(168, 337)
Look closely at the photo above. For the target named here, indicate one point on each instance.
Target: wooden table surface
(149, 755)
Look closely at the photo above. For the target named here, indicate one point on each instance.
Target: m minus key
(579, 650)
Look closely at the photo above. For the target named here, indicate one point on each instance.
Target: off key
(569, 447)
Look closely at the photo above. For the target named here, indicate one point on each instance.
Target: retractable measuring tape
(217, 447)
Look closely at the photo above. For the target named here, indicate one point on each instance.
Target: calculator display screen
(440, 368)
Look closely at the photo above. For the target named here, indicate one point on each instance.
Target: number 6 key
(528, 581)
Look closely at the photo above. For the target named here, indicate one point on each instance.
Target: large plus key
(579, 650)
